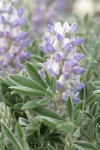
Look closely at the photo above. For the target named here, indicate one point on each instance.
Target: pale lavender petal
(3, 19)
(50, 47)
(47, 38)
(58, 57)
(79, 70)
(10, 10)
(20, 11)
(76, 100)
(80, 86)
(25, 43)
(51, 29)
(66, 47)
(73, 28)
(74, 62)
(22, 21)
(59, 37)
(67, 68)
(43, 49)
(15, 23)
(42, 73)
(77, 42)
(79, 56)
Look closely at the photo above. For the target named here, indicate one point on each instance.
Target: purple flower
(59, 37)
(76, 100)
(51, 29)
(42, 73)
(74, 62)
(73, 28)
(47, 38)
(10, 10)
(63, 60)
(79, 70)
(20, 11)
(15, 23)
(22, 21)
(3, 19)
(80, 86)
(50, 47)
(77, 41)
(67, 46)
(79, 56)
(67, 68)
(58, 57)
(12, 38)
(44, 49)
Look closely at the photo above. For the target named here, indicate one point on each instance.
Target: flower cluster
(63, 60)
(12, 38)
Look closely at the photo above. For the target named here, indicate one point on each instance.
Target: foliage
(29, 116)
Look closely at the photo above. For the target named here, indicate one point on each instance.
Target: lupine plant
(63, 61)
(12, 39)
(53, 102)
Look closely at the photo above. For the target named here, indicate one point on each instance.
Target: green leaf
(23, 121)
(38, 59)
(70, 108)
(27, 91)
(83, 145)
(2, 146)
(51, 122)
(11, 136)
(18, 107)
(92, 99)
(30, 105)
(25, 82)
(44, 101)
(84, 134)
(78, 116)
(21, 137)
(79, 105)
(49, 92)
(66, 127)
(97, 131)
(53, 84)
(96, 84)
(19, 133)
(50, 147)
(48, 77)
(34, 75)
(96, 92)
(47, 112)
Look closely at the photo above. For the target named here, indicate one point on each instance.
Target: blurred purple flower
(12, 38)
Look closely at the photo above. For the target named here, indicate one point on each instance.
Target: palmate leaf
(50, 122)
(47, 112)
(34, 75)
(34, 104)
(67, 127)
(27, 91)
(84, 145)
(25, 82)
